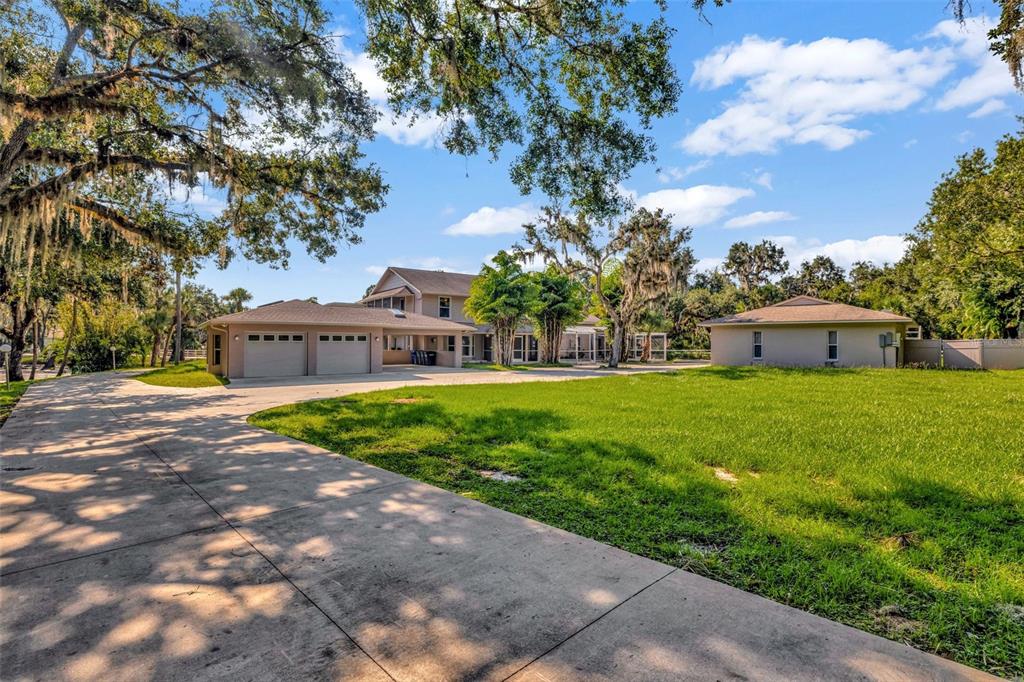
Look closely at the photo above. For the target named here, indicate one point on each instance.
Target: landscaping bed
(890, 500)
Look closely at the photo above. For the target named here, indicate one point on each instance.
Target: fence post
(981, 353)
(942, 355)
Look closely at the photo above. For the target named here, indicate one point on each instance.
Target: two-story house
(443, 295)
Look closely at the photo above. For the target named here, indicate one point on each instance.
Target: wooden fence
(965, 353)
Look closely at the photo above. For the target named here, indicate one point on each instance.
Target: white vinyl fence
(965, 353)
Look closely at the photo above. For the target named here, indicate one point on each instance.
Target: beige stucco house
(809, 332)
(300, 338)
(443, 295)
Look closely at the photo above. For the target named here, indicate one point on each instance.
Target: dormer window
(444, 306)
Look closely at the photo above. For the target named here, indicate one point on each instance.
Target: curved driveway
(150, 533)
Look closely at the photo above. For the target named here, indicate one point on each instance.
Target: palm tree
(156, 321)
(650, 321)
(236, 299)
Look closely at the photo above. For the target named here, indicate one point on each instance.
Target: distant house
(443, 295)
(804, 331)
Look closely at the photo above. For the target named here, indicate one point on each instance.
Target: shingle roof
(395, 291)
(302, 312)
(809, 310)
(435, 281)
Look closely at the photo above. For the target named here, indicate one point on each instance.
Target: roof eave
(765, 323)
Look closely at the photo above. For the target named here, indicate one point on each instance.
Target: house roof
(435, 281)
(806, 309)
(395, 291)
(301, 312)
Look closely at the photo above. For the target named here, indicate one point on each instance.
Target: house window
(216, 348)
(450, 343)
(913, 332)
(833, 346)
(395, 342)
(444, 307)
(253, 337)
(268, 337)
(758, 348)
(467, 346)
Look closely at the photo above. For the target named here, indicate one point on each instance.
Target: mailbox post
(5, 348)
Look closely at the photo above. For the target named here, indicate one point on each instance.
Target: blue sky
(821, 125)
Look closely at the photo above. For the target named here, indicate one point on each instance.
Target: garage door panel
(343, 353)
(275, 354)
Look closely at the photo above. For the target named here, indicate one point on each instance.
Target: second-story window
(444, 306)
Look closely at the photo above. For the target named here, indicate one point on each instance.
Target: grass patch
(9, 397)
(191, 374)
(890, 500)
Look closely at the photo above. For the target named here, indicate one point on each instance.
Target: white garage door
(277, 354)
(342, 354)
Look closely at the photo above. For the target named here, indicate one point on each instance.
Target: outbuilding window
(216, 348)
(758, 347)
(444, 307)
(833, 346)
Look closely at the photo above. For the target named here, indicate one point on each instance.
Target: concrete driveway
(150, 533)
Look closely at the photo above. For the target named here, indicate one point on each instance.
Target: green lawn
(9, 396)
(891, 500)
(190, 374)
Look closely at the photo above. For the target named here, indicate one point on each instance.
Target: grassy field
(9, 397)
(191, 374)
(891, 500)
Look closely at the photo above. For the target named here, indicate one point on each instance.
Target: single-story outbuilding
(804, 331)
(298, 338)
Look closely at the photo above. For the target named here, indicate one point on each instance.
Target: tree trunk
(20, 323)
(156, 348)
(550, 341)
(645, 354)
(167, 346)
(71, 335)
(617, 338)
(35, 349)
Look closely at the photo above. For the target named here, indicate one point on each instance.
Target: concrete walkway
(150, 533)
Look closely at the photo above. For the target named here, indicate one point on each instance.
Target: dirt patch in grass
(406, 401)
(894, 621)
(723, 474)
(500, 476)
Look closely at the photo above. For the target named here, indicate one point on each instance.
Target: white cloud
(197, 198)
(419, 262)
(694, 206)
(910, 143)
(799, 93)
(488, 221)
(423, 130)
(759, 218)
(707, 264)
(675, 174)
(991, 106)
(764, 179)
(963, 136)
(990, 79)
(879, 249)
